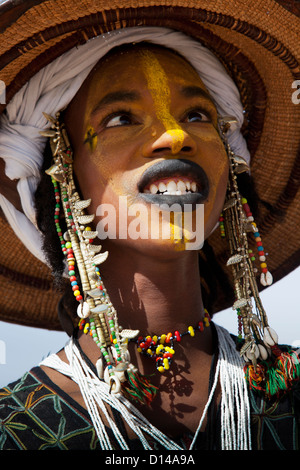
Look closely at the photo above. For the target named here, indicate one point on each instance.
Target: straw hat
(257, 41)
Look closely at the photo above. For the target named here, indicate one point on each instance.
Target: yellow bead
(206, 321)
(139, 349)
(115, 341)
(166, 363)
(160, 369)
(149, 352)
(263, 265)
(86, 328)
(154, 338)
(170, 350)
(76, 292)
(163, 339)
(88, 229)
(191, 330)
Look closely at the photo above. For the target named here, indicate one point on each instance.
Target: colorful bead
(161, 348)
(266, 277)
(66, 246)
(221, 225)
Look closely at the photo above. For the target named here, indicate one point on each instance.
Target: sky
(23, 347)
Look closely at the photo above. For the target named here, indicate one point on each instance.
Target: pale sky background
(22, 347)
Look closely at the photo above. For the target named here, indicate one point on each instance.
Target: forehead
(133, 66)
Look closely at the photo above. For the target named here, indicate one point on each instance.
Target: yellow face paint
(90, 137)
(160, 91)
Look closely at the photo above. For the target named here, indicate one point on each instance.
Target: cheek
(215, 164)
(216, 169)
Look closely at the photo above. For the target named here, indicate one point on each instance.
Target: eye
(197, 116)
(120, 119)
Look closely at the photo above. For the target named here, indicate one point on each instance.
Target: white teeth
(193, 187)
(179, 188)
(171, 186)
(153, 189)
(162, 187)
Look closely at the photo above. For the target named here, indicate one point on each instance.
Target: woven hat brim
(258, 42)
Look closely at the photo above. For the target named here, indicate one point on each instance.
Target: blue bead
(74, 283)
(260, 248)
(256, 234)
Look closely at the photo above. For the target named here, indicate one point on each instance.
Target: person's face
(142, 124)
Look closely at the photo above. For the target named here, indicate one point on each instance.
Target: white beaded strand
(235, 408)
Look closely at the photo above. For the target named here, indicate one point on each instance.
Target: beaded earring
(79, 249)
(267, 368)
(95, 310)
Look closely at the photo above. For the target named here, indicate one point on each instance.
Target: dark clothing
(36, 415)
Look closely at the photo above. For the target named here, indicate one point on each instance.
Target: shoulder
(36, 416)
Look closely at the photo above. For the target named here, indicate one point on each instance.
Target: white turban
(52, 89)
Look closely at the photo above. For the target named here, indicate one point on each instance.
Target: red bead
(246, 208)
(75, 287)
(168, 338)
(259, 243)
(201, 327)
(73, 278)
(177, 336)
(79, 297)
(264, 270)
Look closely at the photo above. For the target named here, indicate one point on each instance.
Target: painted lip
(175, 168)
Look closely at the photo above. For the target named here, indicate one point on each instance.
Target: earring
(267, 368)
(83, 254)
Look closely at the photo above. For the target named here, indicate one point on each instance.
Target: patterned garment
(36, 415)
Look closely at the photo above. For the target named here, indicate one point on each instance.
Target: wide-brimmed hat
(258, 43)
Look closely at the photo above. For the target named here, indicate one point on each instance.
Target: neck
(154, 295)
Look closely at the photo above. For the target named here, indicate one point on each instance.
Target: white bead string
(235, 406)
(95, 391)
(235, 409)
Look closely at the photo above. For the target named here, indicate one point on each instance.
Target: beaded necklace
(159, 348)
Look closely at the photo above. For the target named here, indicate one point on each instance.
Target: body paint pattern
(160, 91)
(91, 138)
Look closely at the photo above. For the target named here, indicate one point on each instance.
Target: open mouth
(175, 186)
(174, 181)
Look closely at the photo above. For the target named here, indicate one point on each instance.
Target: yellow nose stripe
(158, 86)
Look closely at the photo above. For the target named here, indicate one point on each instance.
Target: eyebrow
(115, 97)
(194, 91)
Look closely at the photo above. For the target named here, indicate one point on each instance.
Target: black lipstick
(175, 168)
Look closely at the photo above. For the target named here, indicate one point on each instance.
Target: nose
(170, 142)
